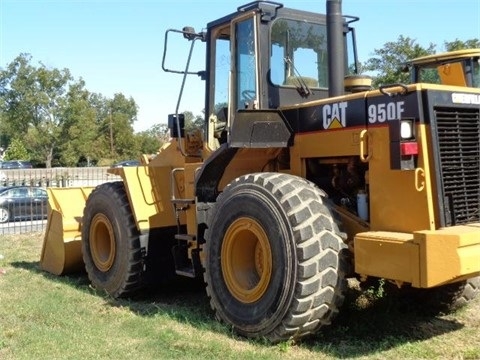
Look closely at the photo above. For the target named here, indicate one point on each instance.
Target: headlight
(406, 129)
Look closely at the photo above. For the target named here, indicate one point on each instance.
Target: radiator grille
(459, 155)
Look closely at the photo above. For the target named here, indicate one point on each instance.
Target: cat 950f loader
(458, 67)
(302, 177)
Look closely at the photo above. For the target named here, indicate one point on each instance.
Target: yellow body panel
(62, 247)
(420, 258)
(343, 142)
(247, 161)
(389, 255)
(151, 188)
(148, 189)
(457, 246)
(394, 196)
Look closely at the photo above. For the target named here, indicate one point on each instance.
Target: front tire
(4, 215)
(274, 262)
(110, 241)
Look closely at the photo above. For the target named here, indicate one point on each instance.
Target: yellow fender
(62, 245)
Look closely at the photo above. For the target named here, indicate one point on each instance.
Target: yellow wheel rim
(102, 242)
(246, 260)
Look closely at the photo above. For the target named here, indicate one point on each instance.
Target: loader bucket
(62, 246)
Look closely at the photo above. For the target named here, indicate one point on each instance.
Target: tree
(81, 128)
(193, 122)
(59, 119)
(459, 45)
(152, 139)
(388, 62)
(118, 127)
(33, 103)
(16, 150)
(387, 65)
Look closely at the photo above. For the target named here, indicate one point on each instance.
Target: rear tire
(274, 266)
(442, 299)
(470, 291)
(110, 241)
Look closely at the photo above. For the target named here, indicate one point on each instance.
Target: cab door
(245, 64)
(234, 80)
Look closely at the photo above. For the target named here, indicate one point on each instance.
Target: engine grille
(458, 133)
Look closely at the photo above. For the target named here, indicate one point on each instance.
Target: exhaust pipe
(335, 43)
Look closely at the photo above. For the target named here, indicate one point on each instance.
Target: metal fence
(29, 215)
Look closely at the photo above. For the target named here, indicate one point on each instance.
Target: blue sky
(116, 46)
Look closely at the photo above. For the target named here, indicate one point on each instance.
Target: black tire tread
(438, 300)
(461, 294)
(132, 276)
(318, 246)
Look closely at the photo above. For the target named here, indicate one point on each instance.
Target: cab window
(476, 72)
(299, 49)
(245, 64)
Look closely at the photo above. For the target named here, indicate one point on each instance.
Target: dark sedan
(22, 203)
(126, 163)
(16, 164)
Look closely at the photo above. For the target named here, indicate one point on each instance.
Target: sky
(116, 46)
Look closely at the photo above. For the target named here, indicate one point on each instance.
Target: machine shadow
(364, 325)
(78, 280)
(367, 325)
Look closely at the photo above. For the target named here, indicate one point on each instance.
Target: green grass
(43, 316)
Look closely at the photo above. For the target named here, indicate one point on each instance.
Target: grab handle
(419, 179)
(364, 156)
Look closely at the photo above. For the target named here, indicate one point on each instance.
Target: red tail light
(408, 148)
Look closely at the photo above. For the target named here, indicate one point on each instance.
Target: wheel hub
(246, 260)
(102, 242)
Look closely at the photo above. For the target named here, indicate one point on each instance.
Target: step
(183, 201)
(185, 237)
(187, 272)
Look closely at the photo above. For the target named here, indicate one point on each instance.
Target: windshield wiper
(303, 89)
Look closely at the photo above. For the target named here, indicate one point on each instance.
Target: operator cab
(265, 56)
(459, 68)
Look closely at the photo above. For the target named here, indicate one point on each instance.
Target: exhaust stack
(335, 43)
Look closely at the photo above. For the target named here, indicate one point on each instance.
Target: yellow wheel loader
(303, 176)
(459, 68)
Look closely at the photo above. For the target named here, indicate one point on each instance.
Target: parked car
(16, 164)
(22, 203)
(126, 163)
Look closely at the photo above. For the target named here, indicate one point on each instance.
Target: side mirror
(189, 33)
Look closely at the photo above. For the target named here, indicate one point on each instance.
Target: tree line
(52, 119)
(387, 63)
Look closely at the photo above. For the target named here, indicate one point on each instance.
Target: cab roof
(446, 56)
